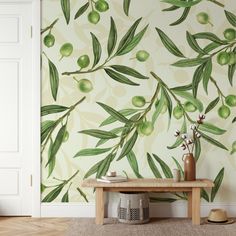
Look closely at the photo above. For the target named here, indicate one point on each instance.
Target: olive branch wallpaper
(133, 85)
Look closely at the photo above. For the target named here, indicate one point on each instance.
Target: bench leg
(190, 204)
(99, 206)
(196, 206)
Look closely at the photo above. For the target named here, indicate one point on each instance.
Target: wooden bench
(193, 189)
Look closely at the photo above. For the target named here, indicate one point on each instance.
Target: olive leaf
(128, 71)
(57, 143)
(168, 100)
(179, 167)
(114, 131)
(82, 194)
(117, 115)
(182, 17)
(231, 18)
(128, 146)
(217, 182)
(126, 39)
(52, 163)
(208, 48)
(65, 197)
(97, 49)
(133, 163)
(81, 10)
(210, 128)
(126, 5)
(189, 97)
(119, 77)
(183, 88)
(153, 167)
(91, 151)
(159, 107)
(169, 44)
(212, 104)
(231, 71)
(180, 3)
(197, 77)
(134, 42)
(46, 128)
(53, 194)
(197, 151)
(42, 188)
(171, 8)
(213, 141)
(112, 119)
(93, 169)
(50, 109)
(99, 133)
(190, 62)
(65, 6)
(165, 168)
(210, 36)
(112, 38)
(179, 140)
(104, 166)
(193, 43)
(207, 74)
(204, 194)
(54, 79)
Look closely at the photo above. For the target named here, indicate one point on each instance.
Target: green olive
(164, 109)
(66, 50)
(230, 34)
(188, 106)
(93, 17)
(230, 100)
(49, 40)
(101, 5)
(145, 128)
(138, 101)
(66, 136)
(83, 61)
(142, 55)
(232, 58)
(203, 18)
(224, 112)
(85, 85)
(223, 58)
(178, 112)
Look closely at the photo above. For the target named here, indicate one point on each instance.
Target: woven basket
(133, 208)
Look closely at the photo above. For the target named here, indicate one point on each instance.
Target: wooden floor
(27, 226)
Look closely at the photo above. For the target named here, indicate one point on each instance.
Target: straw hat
(218, 216)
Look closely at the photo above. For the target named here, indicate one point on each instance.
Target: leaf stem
(59, 120)
(217, 3)
(172, 94)
(90, 70)
(49, 27)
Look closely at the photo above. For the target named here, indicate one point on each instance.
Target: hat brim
(229, 221)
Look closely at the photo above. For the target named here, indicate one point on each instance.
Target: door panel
(16, 109)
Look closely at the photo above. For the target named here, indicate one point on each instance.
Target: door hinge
(31, 31)
(31, 180)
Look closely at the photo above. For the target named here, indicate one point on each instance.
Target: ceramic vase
(189, 167)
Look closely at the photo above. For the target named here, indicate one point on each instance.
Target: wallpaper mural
(133, 85)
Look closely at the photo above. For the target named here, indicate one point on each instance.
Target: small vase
(189, 167)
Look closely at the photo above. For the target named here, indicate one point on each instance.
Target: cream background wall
(88, 114)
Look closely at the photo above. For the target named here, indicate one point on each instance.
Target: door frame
(36, 75)
(36, 94)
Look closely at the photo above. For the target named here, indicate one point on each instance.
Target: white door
(15, 108)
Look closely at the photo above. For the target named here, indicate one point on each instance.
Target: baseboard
(176, 209)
